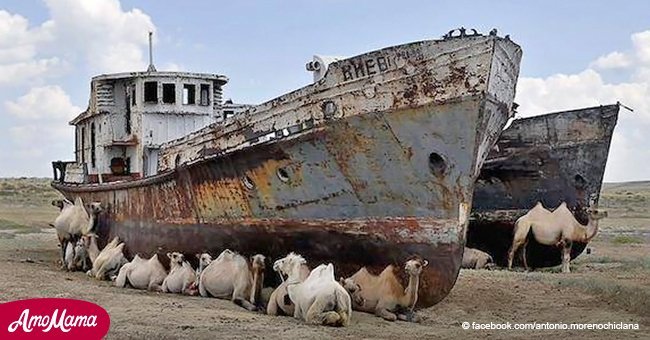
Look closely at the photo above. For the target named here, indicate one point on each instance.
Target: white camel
(558, 228)
(279, 300)
(108, 261)
(230, 276)
(319, 299)
(181, 275)
(74, 221)
(81, 259)
(384, 295)
(204, 260)
(142, 273)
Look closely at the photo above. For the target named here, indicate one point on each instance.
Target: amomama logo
(52, 318)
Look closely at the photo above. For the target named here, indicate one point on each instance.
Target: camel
(231, 276)
(73, 221)
(476, 259)
(384, 295)
(558, 228)
(204, 260)
(181, 275)
(142, 274)
(68, 261)
(279, 300)
(81, 258)
(319, 299)
(107, 262)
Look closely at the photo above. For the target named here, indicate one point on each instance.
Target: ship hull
(553, 158)
(367, 182)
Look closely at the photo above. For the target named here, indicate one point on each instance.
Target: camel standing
(279, 300)
(558, 228)
(230, 276)
(319, 299)
(73, 221)
(384, 295)
(142, 274)
(181, 275)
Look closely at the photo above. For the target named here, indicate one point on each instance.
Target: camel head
(88, 239)
(285, 265)
(204, 259)
(595, 214)
(58, 204)
(93, 210)
(588, 233)
(176, 258)
(415, 265)
(257, 263)
(353, 289)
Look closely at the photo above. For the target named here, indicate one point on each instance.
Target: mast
(151, 68)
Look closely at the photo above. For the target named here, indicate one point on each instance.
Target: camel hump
(389, 270)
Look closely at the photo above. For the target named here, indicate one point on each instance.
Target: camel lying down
(476, 259)
(108, 261)
(231, 276)
(383, 295)
(181, 276)
(279, 302)
(142, 274)
(319, 299)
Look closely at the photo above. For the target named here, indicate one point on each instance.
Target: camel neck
(93, 250)
(410, 297)
(256, 286)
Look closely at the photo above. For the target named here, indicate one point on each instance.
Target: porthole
(283, 175)
(329, 109)
(437, 164)
(580, 182)
(248, 182)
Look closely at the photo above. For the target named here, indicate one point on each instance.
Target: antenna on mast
(151, 68)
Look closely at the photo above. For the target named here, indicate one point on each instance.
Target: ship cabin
(130, 115)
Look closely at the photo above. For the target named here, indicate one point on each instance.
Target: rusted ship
(373, 163)
(552, 158)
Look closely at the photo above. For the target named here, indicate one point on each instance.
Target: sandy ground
(610, 285)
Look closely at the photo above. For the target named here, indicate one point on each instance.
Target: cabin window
(127, 115)
(177, 161)
(151, 92)
(92, 144)
(229, 113)
(189, 94)
(205, 94)
(83, 145)
(169, 93)
(133, 96)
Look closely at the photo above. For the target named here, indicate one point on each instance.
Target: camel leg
(154, 287)
(384, 313)
(511, 254)
(272, 307)
(297, 311)
(64, 244)
(317, 315)
(409, 317)
(238, 300)
(566, 257)
(524, 257)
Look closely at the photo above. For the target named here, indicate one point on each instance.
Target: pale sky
(576, 54)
